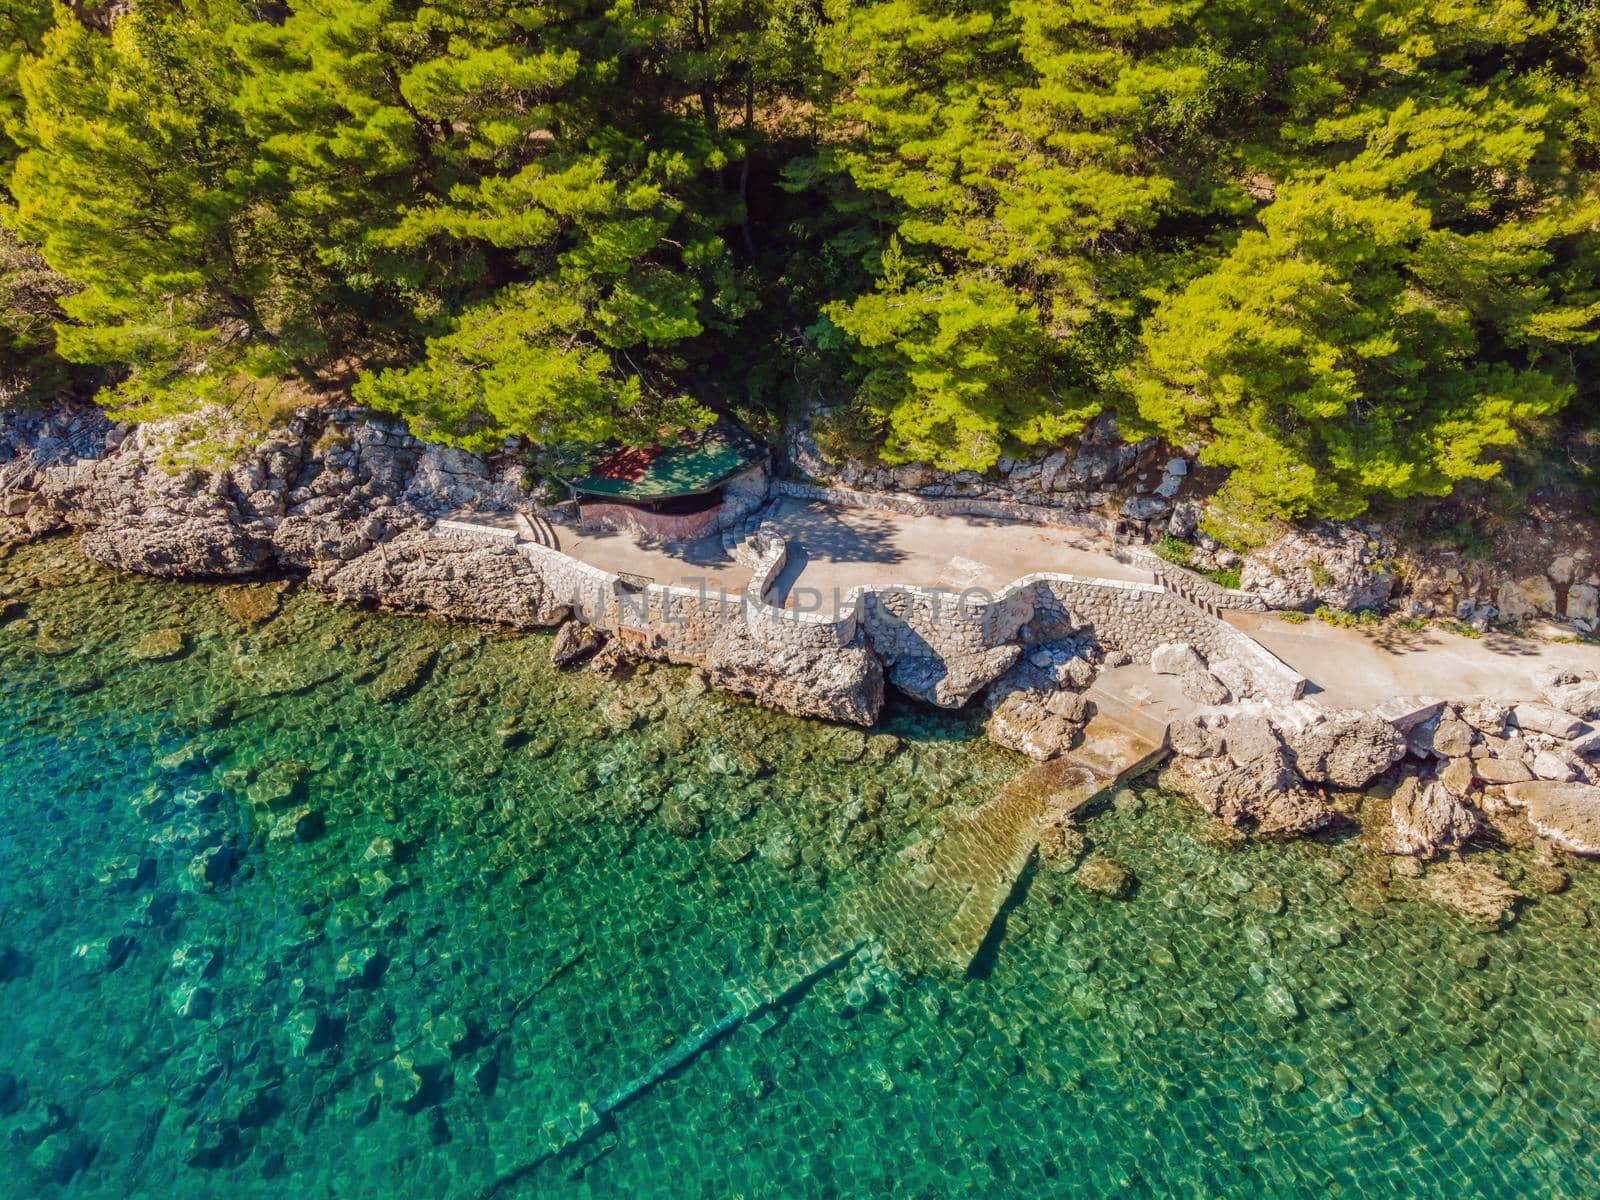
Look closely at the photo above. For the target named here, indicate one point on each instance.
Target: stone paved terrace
(622, 554)
(690, 564)
(1364, 667)
(841, 548)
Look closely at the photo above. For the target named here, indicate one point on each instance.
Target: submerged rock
(1474, 890)
(681, 818)
(404, 676)
(1104, 877)
(1061, 843)
(157, 645)
(251, 604)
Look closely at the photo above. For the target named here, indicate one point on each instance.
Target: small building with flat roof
(675, 490)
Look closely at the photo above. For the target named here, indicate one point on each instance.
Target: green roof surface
(696, 463)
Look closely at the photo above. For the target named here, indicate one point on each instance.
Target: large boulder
(1176, 658)
(454, 577)
(1264, 797)
(177, 545)
(1523, 599)
(1583, 603)
(1446, 736)
(1425, 819)
(1566, 813)
(1581, 698)
(1333, 565)
(1030, 724)
(1195, 737)
(1349, 749)
(1544, 718)
(1249, 737)
(1204, 688)
(951, 681)
(833, 684)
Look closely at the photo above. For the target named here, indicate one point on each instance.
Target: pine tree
(1414, 288)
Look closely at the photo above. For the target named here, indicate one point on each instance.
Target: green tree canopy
(1346, 252)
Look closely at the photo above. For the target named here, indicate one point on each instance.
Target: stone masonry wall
(956, 506)
(905, 624)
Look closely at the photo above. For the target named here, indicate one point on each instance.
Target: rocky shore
(346, 502)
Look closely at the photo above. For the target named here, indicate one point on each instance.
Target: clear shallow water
(263, 933)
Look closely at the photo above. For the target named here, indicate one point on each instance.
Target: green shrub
(1293, 618)
(1174, 550)
(1228, 577)
(1320, 575)
(1344, 618)
(847, 432)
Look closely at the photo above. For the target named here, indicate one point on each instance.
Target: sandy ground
(836, 549)
(691, 565)
(1367, 666)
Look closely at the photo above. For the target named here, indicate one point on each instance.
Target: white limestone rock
(1566, 813)
(1523, 599)
(1425, 819)
(1350, 749)
(1547, 764)
(1581, 698)
(1176, 658)
(1204, 688)
(1335, 565)
(1543, 718)
(1583, 603)
(1031, 725)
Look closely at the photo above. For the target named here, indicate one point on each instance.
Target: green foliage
(1419, 284)
(1348, 251)
(1227, 577)
(1344, 619)
(1292, 617)
(1175, 550)
(511, 366)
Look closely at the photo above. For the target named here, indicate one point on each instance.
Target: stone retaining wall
(1184, 581)
(956, 506)
(908, 623)
(959, 632)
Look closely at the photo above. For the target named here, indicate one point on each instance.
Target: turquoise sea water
(339, 904)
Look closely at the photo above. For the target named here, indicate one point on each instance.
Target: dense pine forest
(1349, 249)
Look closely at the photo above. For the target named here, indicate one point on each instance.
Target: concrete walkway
(1365, 666)
(689, 565)
(835, 549)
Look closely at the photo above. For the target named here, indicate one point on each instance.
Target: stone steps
(940, 913)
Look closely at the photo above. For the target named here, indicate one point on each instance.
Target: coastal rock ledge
(346, 500)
